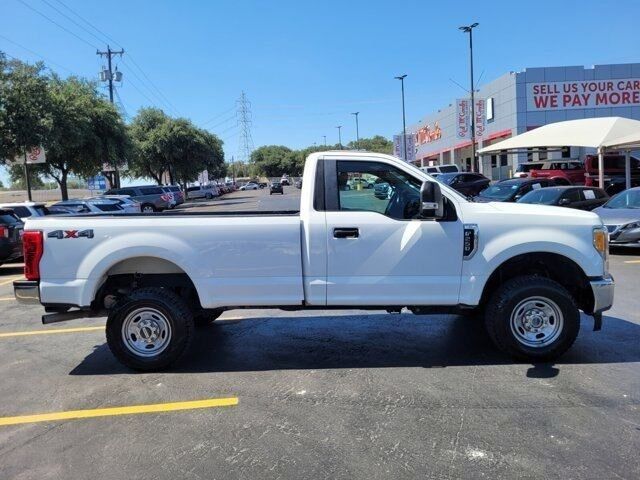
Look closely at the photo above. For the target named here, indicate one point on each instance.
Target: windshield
(500, 190)
(447, 178)
(626, 199)
(544, 196)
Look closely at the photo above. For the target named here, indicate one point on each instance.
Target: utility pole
(339, 127)
(469, 29)
(357, 130)
(233, 171)
(404, 122)
(27, 180)
(109, 76)
(325, 140)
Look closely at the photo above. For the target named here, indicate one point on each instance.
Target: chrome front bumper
(602, 293)
(27, 292)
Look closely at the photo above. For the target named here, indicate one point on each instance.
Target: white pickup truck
(526, 270)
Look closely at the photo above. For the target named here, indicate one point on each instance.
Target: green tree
(25, 118)
(148, 160)
(377, 144)
(272, 160)
(86, 132)
(16, 174)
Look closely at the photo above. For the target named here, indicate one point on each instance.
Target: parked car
(90, 206)
(511, 190)
(581, 198)
(381, 189)
(285, 180)
(354, 183)
(523, 169)
(176, 194)
(263, 184)
(470, 184)
(11, 228)
(276, 187)
(25, 210)
(151, 198)
(527, 269)
(621, 216)
(126, 202)
(298, 183)
(562, 172)
(436, 170)
(614, 172)
(252, 186)
(203, 191)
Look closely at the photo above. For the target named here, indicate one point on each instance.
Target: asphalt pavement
(347, 394)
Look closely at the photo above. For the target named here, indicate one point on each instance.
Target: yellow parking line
(55, 330)
(632, 261)
(109, 412)
(11, 280)
(6, 299)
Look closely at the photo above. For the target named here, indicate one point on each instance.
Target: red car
(562, 172)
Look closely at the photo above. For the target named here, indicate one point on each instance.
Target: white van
(203, 191)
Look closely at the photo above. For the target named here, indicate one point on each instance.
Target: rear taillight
(4, 232)
(165, 197)
(32, 247)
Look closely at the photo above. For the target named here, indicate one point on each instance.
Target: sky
(306, 66)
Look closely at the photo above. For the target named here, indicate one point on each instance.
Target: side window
(572, 196)
(127, 191)
(395, 193)
(151, 191)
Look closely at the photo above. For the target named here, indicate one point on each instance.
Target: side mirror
(564, 201)
(432, 205)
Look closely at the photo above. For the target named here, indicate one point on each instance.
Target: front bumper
(27, 292)
(602, 289)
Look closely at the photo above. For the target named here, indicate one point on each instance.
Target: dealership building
(516, 103)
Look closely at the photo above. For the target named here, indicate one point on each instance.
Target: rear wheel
(148, 208)
(532, 318)
(150, 329)
(208, 196)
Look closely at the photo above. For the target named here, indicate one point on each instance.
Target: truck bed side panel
(232, 260)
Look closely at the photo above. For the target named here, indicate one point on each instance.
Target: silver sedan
(621, 216)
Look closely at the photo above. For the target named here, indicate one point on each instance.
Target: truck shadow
(369, 341)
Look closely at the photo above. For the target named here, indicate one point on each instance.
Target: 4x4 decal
(61, 234)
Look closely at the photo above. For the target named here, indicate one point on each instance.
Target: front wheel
(147, 208)
(150, 329)
(532, 318)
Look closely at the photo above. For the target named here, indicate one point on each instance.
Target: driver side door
(379, 251)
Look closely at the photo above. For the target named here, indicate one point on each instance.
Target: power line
(36, 54)
(158, 99)
(218, 116)
(57, 24)
(73, 21)
(226, 120)
(90, 24)
(153, 85)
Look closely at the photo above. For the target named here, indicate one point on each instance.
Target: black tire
(175, 312)
(507, 299)
(206, 317)
(148, 208)
(208, 196)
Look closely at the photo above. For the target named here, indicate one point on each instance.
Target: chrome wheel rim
(536, 322)
(146, 332)
(147, 209)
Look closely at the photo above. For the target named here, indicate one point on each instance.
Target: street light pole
(469, 29)
(325, 140)
(357, 130)
(404, 122)
(339, 127)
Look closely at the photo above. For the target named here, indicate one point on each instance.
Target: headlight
(629, 226)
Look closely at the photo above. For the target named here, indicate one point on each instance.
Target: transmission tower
(245, 146)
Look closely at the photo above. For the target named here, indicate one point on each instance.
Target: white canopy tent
(606, 134)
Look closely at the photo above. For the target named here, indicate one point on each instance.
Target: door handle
(351, 232)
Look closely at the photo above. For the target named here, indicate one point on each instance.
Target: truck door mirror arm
(432, 204)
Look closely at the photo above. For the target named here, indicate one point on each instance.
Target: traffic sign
(99, 182)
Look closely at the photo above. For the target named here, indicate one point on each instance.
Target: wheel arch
(555, 266)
